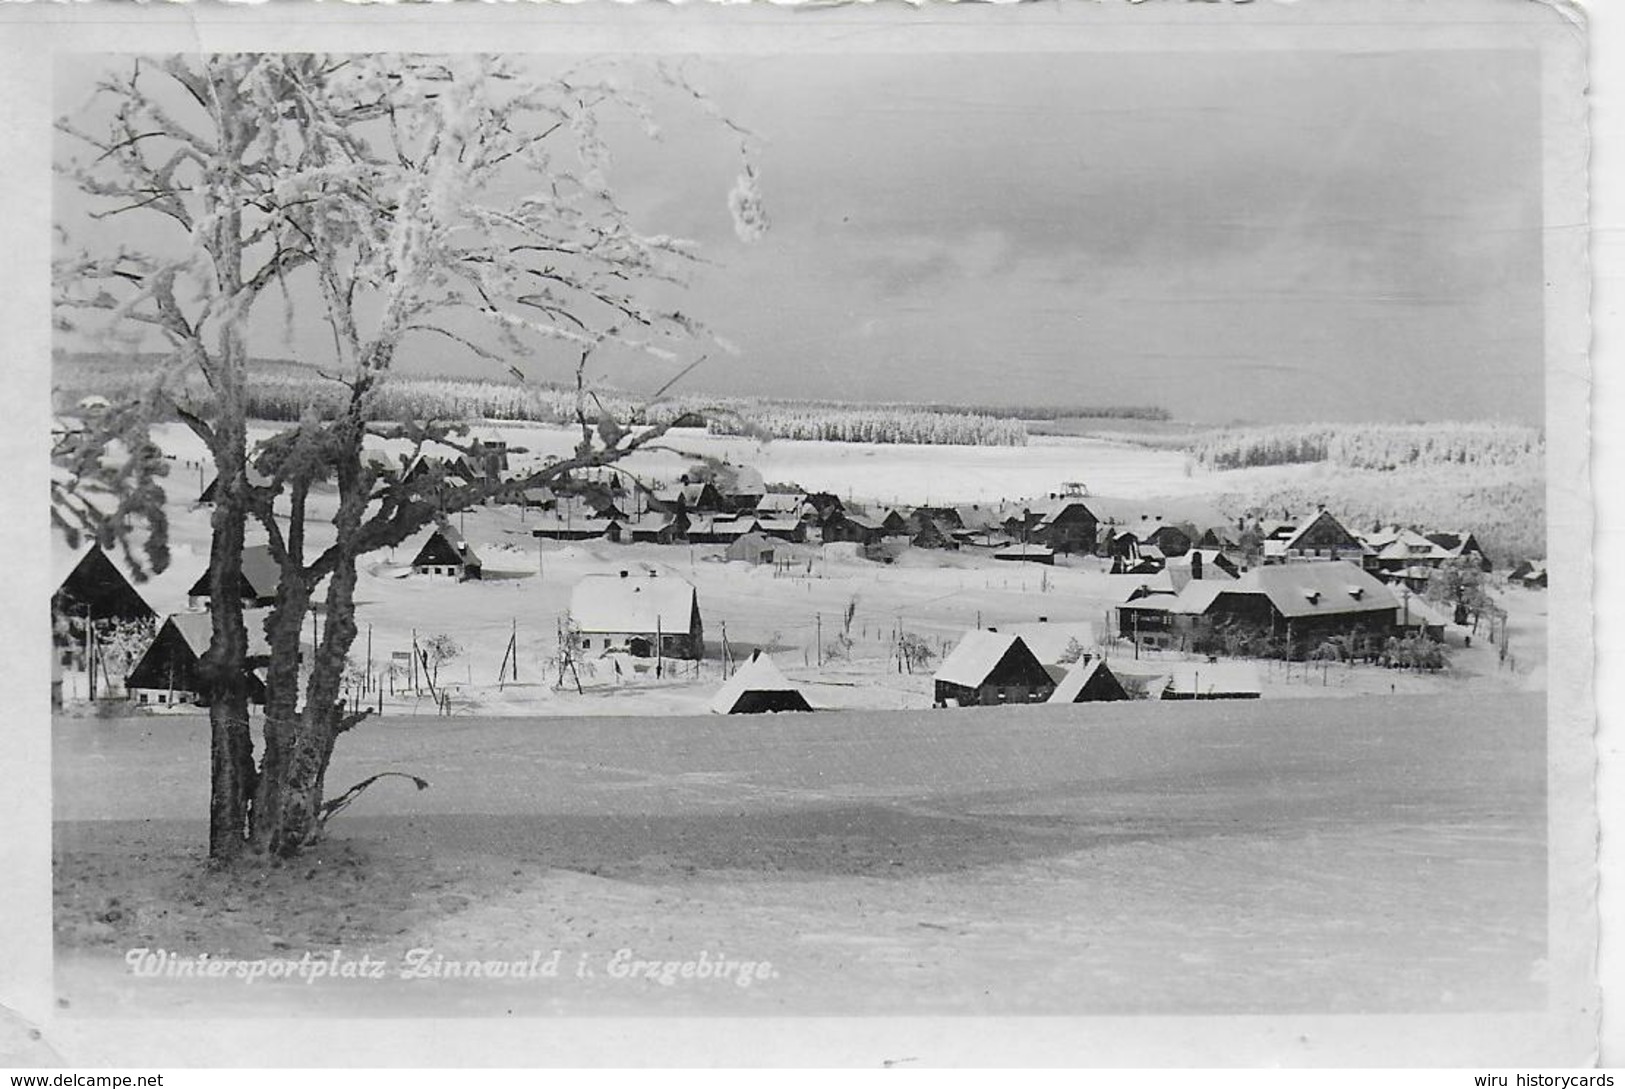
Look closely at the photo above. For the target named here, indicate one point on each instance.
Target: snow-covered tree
(460, 199)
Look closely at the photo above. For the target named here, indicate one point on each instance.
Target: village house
(743, 489)
(1120, 544)
(697, 498)
(1297, 604)
(88, 604)
(722, 529)
(1322, 537)
(453, 467)
(792, 530)
(167, 673)
(987, 668)
(1090, 680)
(1199, 563)
(756, 688)
(781, 505)
(840, 526)
(978, 525)
(929, 535)
(1168, 540)
(258, 584)
(96, 589)
(1026, 553)
(445, 553)
(752, 548)
(1212, 681)
(1065, 525)
(644, 615)
(660, 528)
(571, 528)
(898, 524)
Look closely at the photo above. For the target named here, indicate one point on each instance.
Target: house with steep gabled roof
(257, 586)
(1090, 680)
(98, 589)
(447, 554)
(168, 673)
(987, 668)
(1322, 537)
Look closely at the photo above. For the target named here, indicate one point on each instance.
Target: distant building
(1065, 525)
(660, 528)
(745, 490)
(758, 687)
(987, 668)
(929, 535)
(1322, 537)
(554, 528)
(446, 553)
(841, 526)
(1212, 681)
(1027, 553)
(643, 615)
(753, 548)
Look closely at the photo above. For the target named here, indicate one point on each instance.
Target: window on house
(163, 698)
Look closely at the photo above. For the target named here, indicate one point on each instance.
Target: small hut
(757, 687)
(752, 548)
(1089, 681)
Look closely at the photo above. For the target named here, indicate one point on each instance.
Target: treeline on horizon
(281, 391)
(1377, 446)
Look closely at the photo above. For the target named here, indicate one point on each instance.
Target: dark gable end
(1019, 666)
(169, 662)
(97, 585)
(438, 551)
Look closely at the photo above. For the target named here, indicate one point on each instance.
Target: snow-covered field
(1347, 856)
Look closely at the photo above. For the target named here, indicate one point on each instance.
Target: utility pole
(818, 640)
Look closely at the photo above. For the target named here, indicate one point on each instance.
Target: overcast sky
(1262, 236)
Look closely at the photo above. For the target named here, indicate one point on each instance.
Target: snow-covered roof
(978, 652)
(780, 502)
(757, 675)
(641, 603)
(198, 628)
(1214, 678)
(1419, 614)
(1033, 551)
(1317, 588)
(747, 481)
(1076, 678)
(1049, 641)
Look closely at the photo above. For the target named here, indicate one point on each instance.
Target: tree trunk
(281, 706)
(231, 745)
(295, 783)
